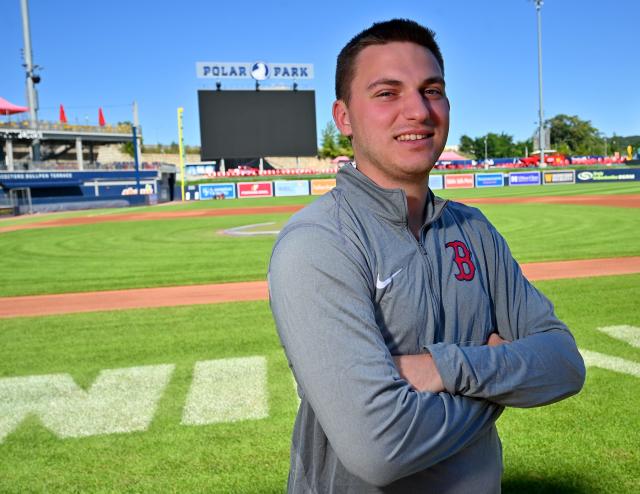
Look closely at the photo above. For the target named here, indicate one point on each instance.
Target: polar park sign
(258, 71)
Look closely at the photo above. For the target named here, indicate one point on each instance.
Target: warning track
(152, 216)
(42, 305)
(621, 201)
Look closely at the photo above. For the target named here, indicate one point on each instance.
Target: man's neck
(416, 200)
(416, 190)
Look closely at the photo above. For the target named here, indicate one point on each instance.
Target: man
(406, 321)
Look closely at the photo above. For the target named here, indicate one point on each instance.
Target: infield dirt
(257, 290)
(622, 200)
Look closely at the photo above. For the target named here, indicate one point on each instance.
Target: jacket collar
(362, 192)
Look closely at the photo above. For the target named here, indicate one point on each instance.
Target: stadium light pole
(32, 78)
(539, 4)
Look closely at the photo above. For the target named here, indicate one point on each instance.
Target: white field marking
(240, 231)
(629, 334)
(120, 400)
(616, 364)
(227, 390)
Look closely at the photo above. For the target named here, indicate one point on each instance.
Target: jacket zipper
(433, 296)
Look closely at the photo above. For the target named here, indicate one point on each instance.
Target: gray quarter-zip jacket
(351, 287)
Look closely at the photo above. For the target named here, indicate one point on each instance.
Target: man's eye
(384, 94)
(432, 91)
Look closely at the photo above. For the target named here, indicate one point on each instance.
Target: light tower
(32, 78)
(541, 123)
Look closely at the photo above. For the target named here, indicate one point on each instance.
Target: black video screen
(240, 124)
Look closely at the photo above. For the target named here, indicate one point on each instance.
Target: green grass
(168, 457)
(175, 206)
(543, 190)
(538, 232)
(521, 191)
(191, 251)
(133, 254)
(587, 444)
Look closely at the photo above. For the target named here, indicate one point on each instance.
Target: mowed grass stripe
(516, 191)
(189, 251)
(133, 255)
(586, 444)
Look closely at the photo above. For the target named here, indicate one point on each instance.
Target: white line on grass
(120, 400)
(629, 334)
(246, 230)
(227, 390)
(608, 362)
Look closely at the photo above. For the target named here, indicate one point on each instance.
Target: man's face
(398, 113)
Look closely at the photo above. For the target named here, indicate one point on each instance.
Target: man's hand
(420, 371)
(495, 339)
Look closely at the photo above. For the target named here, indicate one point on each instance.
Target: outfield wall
(305, 187)
(60, 190)
(63, 190)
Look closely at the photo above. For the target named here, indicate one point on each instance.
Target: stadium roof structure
(451, 156)
(7, 108)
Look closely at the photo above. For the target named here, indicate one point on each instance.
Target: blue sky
(111, 53)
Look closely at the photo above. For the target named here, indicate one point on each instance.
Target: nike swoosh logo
(380, 284)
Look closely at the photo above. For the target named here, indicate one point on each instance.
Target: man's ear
(341, 117)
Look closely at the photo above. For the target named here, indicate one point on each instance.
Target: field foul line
(68, 303)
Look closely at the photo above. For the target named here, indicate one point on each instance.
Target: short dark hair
(381, 33)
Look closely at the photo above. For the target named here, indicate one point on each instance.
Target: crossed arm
(421, 371)
(533, 360)
(380, 427)
(387, 418)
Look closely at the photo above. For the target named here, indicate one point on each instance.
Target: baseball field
(125, 365)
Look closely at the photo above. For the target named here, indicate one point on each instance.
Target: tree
(498, 146)
(467, 145)
(334, 144)
(523, 148)
(328, 147)
(573, 136)
(344, 146)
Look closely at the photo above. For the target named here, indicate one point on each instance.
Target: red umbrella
(101, 120)
(7, 108)
(63, 115)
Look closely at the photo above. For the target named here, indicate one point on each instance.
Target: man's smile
(412, 137)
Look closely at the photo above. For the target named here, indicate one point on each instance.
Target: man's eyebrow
(384, 82)
(394, 82)
(434, 80)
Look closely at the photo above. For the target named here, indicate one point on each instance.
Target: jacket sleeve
(381, 429)
(540, 365)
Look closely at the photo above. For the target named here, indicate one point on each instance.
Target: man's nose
(417, 107)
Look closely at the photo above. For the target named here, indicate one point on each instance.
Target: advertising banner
(609, 175)
(524, 178)
(255, 189)
(436, 182)
(200, 169)
(191, 193)
(462, 181)
(291, 188)
(559, 177)
(217, 191)
(489, 179)
(321, 186)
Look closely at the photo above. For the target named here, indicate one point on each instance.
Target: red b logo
(463, 259)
